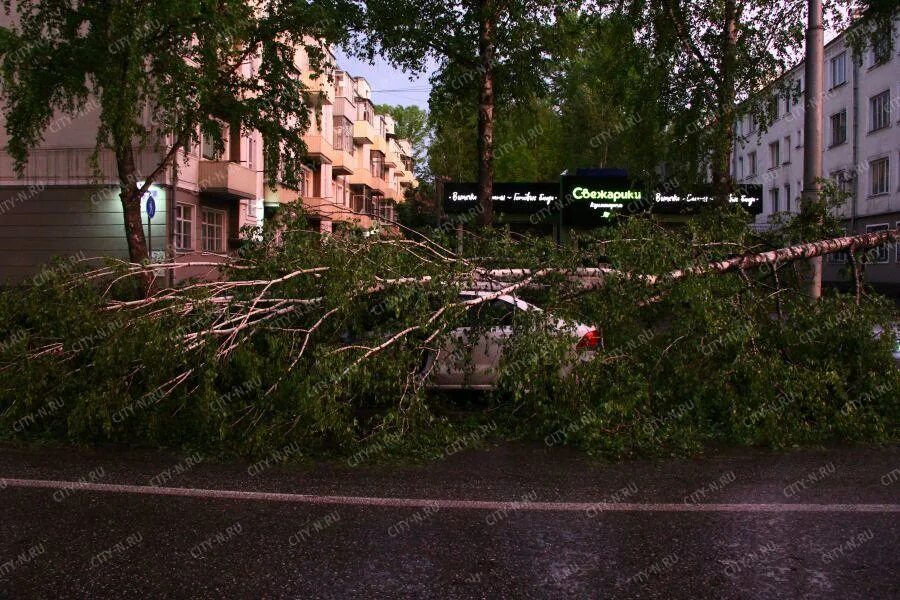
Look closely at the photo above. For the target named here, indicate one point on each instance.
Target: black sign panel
(589, 201)
(513, 198)
(679, 202)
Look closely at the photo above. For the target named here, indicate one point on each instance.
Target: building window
(881, 48)
(879, 255)
(880, 173)
(839, 70)
(741, 167)
(212, 230)
(208, 148)
(251, 208)
(773, 195)
(343, 134)
(787, 150)
(880, 109)
(774, 155)
(773, 107)
(787, 197)
(839, 258)
(839, 128)
(799, 138)
(751, 124)
(751, 158)
(184, 227)
(897, 247)
(377, 164)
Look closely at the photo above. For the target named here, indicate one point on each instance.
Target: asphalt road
(509, 522)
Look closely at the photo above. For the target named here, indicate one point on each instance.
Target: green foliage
(331, 363)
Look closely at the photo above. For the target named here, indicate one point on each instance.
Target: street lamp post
(813, 138)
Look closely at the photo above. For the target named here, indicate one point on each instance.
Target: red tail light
(590, 341)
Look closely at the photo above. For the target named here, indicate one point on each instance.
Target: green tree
(411, 124)
(163, 74)
(485, 50)
(720, 52)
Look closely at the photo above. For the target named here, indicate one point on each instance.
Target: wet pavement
(750, 541)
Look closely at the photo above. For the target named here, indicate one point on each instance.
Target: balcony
(364, 132)
(344, 107)
(228, 179)
(280, 195)
(318, 148)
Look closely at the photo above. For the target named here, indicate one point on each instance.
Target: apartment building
(861, 149)
(358, 169)
(356, 172)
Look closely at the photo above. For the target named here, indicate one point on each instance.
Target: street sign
(151, 204)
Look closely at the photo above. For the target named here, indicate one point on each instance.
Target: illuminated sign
(675, 201)
(592, 200)
(513, 198)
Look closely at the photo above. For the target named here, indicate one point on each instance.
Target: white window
(880, 174)
(741, 167)
(751, 158)
(787, 197)
(880, 111)
(839, 70)
(839, 128)
(878, 255)
(774, 155)
(212, 230)
(184, 227)
(251, 208)
(787, 150)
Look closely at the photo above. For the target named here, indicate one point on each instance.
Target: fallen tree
(334, 332)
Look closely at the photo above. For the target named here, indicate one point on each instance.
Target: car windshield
(494, 313)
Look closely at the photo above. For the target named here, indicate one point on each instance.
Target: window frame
(178, 227)
(884, 112)
(774, 154)
(204, 229)
(887, 176)
(842, 57)
(842, 116)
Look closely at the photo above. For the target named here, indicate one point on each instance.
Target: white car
(473, 364)
(879, 331)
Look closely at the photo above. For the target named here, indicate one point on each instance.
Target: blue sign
(151, 205)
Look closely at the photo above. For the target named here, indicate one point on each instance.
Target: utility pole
(813, 137)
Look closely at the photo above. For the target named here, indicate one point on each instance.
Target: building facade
(861, 149)
(67, 204)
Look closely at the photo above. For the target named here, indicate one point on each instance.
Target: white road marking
(448, 503)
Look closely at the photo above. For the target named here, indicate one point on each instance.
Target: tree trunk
(723, 183)
(131, 205)
(486, 113)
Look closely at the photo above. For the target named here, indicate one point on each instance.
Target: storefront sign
(677, 202)
(515, 198)
(589, 201)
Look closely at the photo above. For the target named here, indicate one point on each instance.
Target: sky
(389, 85)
